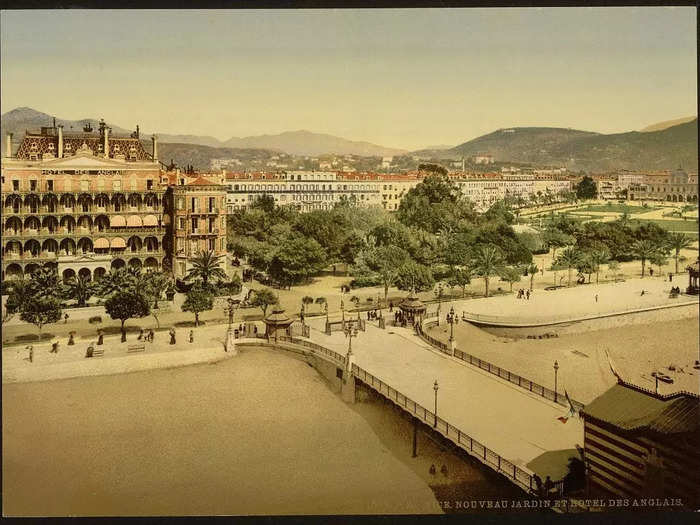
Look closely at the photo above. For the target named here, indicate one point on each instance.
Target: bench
(136, 348)
(95, 352)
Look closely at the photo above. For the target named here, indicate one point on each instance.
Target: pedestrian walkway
(513, 423)
(70, 361)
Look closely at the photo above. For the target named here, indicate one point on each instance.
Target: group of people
(524, 294)
(675, 290)
(543, 489)
(401, 319)
(372, 315)
(146, 335)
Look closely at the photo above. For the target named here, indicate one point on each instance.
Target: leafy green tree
(570, 258)
(487, 261)
(126, 305)
(511, 275)
(678, 241)
(597, 258)
(412, 276)
(263, 298)
(532, 270)
(555, 239)
(116, 280)
(45, 283)
(586, 189)
(81, 289)
(660, 258)
(206, 267)
(644, 250)
(461, 277)
(433, 168)
(265, 203)
(20, 292)
(614, 267)
(41, 311)
(385, 261)
(296, 259)
(198, 300)
(352, 245)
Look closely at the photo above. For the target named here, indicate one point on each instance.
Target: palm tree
(206, 266)
(488, 260)
(678, 241)
(532, 270)
(81, 289)
(614, 267)
(114, 281)
(598, 258)
(644, 250)
(569, 259)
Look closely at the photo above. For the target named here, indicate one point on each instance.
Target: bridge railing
(314, 347)
(522, 477)
(503, 373)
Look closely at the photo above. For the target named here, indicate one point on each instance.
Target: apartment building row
(308, 190)
(669, 186)
(86, 203)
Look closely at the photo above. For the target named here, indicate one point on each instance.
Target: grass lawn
(672, 225)
(616, 208)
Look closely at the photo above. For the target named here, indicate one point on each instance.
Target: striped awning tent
(117, 221)
(101, 243)
(150, 220)
(118, 242)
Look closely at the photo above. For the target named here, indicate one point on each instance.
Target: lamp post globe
(556, 369)
(435, 388)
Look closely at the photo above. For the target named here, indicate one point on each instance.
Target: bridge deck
(511, 422)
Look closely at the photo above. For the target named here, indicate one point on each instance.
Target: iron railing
(503, 373)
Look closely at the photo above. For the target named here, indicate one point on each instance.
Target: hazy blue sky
(404, 78)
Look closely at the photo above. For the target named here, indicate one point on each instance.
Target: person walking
(527, 294)
(596, 298)
(191, 336)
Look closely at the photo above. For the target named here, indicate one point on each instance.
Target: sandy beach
(259, 434)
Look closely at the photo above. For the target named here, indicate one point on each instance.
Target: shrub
(95, 319)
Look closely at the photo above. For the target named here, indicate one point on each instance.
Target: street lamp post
(556, 369)
(350, 332)
(435, 388)
(452, 319)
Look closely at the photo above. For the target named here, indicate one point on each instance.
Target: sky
(405, 78)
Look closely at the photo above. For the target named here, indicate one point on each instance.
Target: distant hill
(200, 156)
(292, 142)
(585, 150)
(667, 124)
(307, 143)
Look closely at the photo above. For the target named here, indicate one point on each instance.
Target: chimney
(8, 149)
(60, 142)
(106, 145)
(154, 140)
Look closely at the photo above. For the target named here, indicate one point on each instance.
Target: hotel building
(83, 203)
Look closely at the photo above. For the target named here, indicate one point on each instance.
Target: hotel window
(212, 244)
(194, 224)
(193, 204)
(117, 185)
(32, 185)
(181, 223)
(49, 185)
(15, 185)
(149, 184)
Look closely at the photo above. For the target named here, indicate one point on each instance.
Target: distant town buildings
(483, 158)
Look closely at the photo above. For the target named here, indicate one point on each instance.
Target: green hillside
(582, 150)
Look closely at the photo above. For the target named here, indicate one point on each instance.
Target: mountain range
(300, 142)
(663, 145)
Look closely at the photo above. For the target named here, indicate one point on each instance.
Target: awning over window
(117, 221)
(134, 220)
(150, 220)
(101, 243)
(118, 242)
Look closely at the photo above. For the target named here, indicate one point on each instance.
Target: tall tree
(461, 277)
(206, 266)
(644, 250)
(41, 311)
(45, 283)
(597, 258)
(488, 261)
(511, 275)
(114, 281)
(532, 270)
(678, 241)
(570, 258)
(198, 300)
(416, 277)
(263, 298)
(296, 259)
(126, 305)
(385, 261)
(81, 289)
(586, 189)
